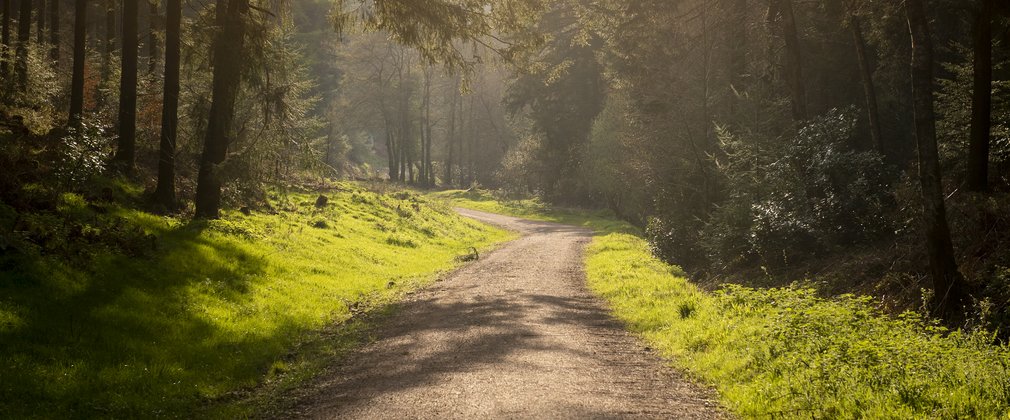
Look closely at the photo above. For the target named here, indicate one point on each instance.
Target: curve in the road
(513, 335)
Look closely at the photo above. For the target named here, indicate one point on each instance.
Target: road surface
(513, 335)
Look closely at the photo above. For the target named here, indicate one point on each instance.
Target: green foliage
(954, 107)
(799, 196)
(788, 353)
(82, 153)
(108, 311)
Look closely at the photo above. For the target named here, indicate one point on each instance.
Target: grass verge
(183, 318)
(784, 352)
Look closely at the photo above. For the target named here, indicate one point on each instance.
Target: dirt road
(514, 335)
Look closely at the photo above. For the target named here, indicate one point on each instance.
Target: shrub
(795, 197)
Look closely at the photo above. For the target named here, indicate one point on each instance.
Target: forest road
(514, 335)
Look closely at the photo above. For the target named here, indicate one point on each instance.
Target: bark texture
(947, 281)
(165, 192)
(228, 47)
(127, 145)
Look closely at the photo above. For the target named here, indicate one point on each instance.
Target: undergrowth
(110, 311)
(785, 352)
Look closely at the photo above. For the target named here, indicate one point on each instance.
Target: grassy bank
(785, 352)
(168, 316)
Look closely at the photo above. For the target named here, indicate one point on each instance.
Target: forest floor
(515, 334)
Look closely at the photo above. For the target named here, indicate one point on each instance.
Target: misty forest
(504, 208)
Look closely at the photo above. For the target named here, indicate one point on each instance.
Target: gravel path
(514, 335)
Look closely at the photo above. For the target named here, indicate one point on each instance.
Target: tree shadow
(123, 336)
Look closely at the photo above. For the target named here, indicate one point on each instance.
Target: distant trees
(24, 37)
(5, 44)
(776, 133)
(80, 44)
(55, 27)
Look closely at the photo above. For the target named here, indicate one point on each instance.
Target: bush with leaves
(798, 196)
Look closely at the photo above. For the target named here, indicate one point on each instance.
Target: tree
(24, 37)
(866, 76)
(450, 137)
(981, 104)
(127, 144)
(152, 35)
(80, 44)
(110, 39)
(5, 42)
(794, 58)
(54, 32)
(947, 281)
(40, 23)
(228, 45)
(165, 191)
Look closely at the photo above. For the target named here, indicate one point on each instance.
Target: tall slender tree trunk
(738, 59)
(869, 90)
(127, 145)
(471, 169)
(390, 153)
(165, 192)
(450, 141)
(794, 58)
(152, 36)
(428, 170)
(24, 38)
(228, 46)
(110, 40)
(981, 103)
(5, 44)
(947, 281)
(40, 23)
(54, 32)
(80, 46)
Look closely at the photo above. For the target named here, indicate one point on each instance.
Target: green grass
(198, 314)
(785, 352)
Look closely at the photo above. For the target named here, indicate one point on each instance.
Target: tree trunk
(228, 47)
(5, 45)
(947, 281)
(152, 36)
(110, 39)
(165, 192)
(80, 46)
(794, 58)
(471, 169)
(738, 60)
(127, 145)
(981, 100)
(24, 37)
(390, 153)
(450, 140)
(40, 23)
(428, 172)
(54, 33)
(869, 90)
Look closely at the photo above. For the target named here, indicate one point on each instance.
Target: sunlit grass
(786, 353)
(216, 307)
